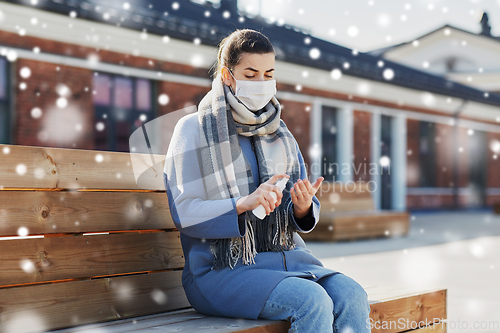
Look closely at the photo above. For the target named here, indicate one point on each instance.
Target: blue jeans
(334, 303)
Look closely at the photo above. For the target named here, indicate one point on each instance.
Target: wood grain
(65, 192)
(347, 213)
(57, 258)
(44, 212)
(436, 328)
(424, 308)
(363, 226)
(60, 168)
(50, 306)
(340, 197)
(188, 320)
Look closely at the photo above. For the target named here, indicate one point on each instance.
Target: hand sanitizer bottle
(260, 211)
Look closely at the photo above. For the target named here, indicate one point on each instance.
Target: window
(121, 105)
(4, 102)
(478, 166)
(329, 143)
(427, 148)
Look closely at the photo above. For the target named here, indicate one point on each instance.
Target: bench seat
(389, 306)
(347, 213)
(83, 247)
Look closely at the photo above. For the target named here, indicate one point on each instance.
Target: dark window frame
(427, 154)
(5, 104)
(329, 141)
(107, 115)
(386, 146)
(478, 165)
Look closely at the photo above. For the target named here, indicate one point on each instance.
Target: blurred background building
(418, 119)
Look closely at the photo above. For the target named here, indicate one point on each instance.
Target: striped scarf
(227, 173)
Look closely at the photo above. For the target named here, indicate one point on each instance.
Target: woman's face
(252, 67)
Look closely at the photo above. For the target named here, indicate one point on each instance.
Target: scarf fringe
(279, 239)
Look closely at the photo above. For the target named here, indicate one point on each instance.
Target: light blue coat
(240, 292)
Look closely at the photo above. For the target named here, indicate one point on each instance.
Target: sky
(367, 25)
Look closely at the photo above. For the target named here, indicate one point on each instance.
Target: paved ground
(458, 251)
(426, 228)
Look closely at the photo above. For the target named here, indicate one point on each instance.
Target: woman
(223, 162)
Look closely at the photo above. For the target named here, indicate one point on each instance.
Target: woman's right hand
(262, 196)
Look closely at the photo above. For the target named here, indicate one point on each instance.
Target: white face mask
(254, 94)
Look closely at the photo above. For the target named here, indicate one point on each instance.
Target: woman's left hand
(302, 193)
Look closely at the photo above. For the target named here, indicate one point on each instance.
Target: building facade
(85, 75)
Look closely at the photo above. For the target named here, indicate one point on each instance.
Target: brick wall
(434, 201)
(493, 162)
(180, 95)
(444, 155)
(445, 148)
(297, 117)
(413, 152)
(78, 51)
(69, 127)
(463, 157)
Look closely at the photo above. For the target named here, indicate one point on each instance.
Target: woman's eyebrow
(254, 70)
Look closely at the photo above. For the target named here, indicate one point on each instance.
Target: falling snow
(388, 74)
(163, 99)
(36, 112)
(314, 53)
(352, 31)
(336, 74)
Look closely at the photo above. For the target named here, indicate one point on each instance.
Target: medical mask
(254, 94)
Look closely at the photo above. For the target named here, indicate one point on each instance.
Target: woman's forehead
(261, 62)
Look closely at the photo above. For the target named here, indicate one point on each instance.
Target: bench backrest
(106, 249)
(342, 197)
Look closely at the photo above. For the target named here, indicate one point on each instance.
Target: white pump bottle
(260, 211)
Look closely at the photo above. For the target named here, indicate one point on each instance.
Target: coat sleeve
(308, 222)
(191, 212)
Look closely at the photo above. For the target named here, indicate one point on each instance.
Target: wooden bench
(102, 254)
(348, 213)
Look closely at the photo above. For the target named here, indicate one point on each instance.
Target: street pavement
(426, 228)
(459, 251)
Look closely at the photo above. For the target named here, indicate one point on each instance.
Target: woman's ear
(226, 76)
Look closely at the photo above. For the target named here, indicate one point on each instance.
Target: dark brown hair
(238, 42)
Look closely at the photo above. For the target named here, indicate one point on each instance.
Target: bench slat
(58, 168)
(347, 212)
(43, 212)
(57, 258)
(67, 304)
(136, 323)
(223, 325)
(424, 307)
(340, 197)
(352, 227)
(189, 320)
